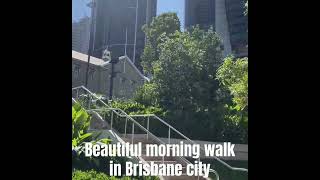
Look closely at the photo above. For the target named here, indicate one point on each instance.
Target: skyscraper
(238, 26)
(115, 25)
(80, 35)
(227, 18)
(199, 12)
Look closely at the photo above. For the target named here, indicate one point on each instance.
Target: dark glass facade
(199, 12)
(203, 13)
(114, 18)
(238, 26)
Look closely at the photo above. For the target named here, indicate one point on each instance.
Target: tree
(184, 83)
(164, 24)
(233, 76)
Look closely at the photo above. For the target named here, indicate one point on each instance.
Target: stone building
(127, 78)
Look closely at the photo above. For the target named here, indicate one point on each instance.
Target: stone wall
(125, 83)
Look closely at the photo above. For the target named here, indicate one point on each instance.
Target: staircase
(132, 131)
(162, 160)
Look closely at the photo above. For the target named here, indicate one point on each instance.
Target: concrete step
(183, 177)
(136, 141)
(164, 162)
(158, 158)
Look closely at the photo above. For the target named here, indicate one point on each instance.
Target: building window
(91, 73)
(122, 80)
(76, 71)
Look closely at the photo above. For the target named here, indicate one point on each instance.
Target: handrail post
(215, 173)
(132, 136)
(148, 128)
(89, 103)
(169, 136)
(105, 116)
(125, 127)
(111, 119)
(77, 94)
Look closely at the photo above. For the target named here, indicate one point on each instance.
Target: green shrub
(94, 175)
(88, 175)
(132, 107)
(80, 124)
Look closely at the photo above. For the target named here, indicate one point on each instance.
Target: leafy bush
(94, 175)
(100, 164)
(85, 168)
(80, 124)
(88, 175)
(132, 107)
(146, 94)
(233, 77)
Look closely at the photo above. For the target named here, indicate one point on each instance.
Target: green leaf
(105, 141)
(85, 136)
(74, 142)
(74, 112)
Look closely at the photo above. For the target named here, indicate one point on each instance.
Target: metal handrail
(153, 115)
(124, 114)
(135, 122)
(138, 124)
(165, 123)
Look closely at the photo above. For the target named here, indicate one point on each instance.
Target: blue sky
(79, 8)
